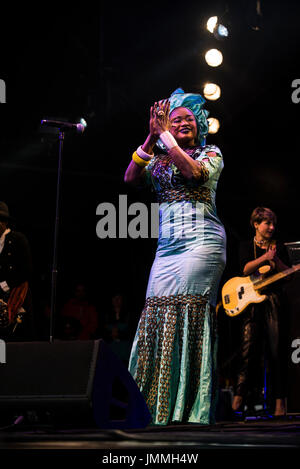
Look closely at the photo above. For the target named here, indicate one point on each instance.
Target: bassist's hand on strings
(275, 262)
(271, 256)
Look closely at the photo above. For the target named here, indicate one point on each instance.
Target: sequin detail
(200, 194)
(161, 330)
(173, 186)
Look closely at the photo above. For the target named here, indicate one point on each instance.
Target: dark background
(108, 63)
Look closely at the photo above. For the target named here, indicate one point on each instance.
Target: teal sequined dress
(173, 357)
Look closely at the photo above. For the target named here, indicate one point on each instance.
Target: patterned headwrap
(195, 103)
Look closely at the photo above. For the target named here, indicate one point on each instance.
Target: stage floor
(173, 444)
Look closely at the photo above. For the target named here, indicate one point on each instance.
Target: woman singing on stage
(173, 357)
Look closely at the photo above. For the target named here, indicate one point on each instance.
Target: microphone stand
(62, 127)
(55, 244)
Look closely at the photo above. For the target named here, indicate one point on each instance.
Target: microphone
(64, 125)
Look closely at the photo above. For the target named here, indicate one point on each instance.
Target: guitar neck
(275, 277)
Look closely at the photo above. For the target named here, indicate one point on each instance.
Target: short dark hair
(262, 213)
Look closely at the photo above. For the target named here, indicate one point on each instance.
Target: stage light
(213, 125)
(212, 91)
(211, 23)
(221, 32)
(214, 57)
(83, 122)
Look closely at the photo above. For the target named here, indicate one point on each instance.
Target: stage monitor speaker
(293, 252)
(70, 382)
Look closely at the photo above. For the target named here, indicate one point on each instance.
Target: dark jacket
(15, 269)
(15, 260)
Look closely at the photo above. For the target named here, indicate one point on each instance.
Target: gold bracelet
(139, 161)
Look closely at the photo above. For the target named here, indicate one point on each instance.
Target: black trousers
(264, 337)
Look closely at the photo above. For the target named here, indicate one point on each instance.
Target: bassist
(263, 321)
(16, 321)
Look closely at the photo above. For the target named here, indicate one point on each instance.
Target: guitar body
(238, 293)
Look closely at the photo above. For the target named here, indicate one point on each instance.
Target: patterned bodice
(171, 186)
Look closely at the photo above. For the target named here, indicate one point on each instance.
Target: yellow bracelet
(139, 161)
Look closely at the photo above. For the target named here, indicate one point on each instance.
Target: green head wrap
(195, 103)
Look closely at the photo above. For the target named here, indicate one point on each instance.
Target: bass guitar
(239, 292)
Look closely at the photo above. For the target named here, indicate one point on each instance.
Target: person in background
(117, 326)
(79, 317)
(16, 312)
(267, 320)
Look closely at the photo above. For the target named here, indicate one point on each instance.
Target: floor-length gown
(173, 357)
